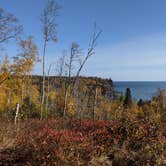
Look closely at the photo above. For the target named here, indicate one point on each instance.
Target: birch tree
(24, 64)
(75, 54)
(9, 27)
(91, 51)
(49, 29)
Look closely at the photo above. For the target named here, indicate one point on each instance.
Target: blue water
(144, 90)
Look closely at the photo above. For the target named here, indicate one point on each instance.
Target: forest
(69, 119)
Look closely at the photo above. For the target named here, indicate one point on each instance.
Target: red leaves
(64, 136)
(70, 141)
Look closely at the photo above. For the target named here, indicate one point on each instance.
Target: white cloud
(142, 58)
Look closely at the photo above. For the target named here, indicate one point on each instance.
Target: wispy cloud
(141, 58)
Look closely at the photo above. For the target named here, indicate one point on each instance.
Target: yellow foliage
(134, 107)
(35, 96)
(3, 98)
(52, 95)
(70, 107)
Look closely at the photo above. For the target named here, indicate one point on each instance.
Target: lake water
(144, 90)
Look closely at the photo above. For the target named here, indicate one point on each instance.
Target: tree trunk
(47, 97)
(43, 83)
(16, 115)
(95, 103)
(65, 103)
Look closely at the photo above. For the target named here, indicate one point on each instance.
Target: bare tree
(9, 27)
(91, 51)
(49, 28)
(75, 54)
(61, 66)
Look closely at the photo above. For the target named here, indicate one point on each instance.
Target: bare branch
(49, 28)
(75, 55)
(9, 27)
(48, 20)
(91, 50)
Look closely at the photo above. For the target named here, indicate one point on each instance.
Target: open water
(141, 89)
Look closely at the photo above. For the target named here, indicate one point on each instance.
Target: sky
(132, 46)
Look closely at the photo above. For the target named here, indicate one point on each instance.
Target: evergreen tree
(128, 99)
(140, 102)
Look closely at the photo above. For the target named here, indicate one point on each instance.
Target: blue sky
(131, 47)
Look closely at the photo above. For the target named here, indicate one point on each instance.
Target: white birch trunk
(16, 115)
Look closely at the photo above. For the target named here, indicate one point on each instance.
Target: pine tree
(128, 99)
